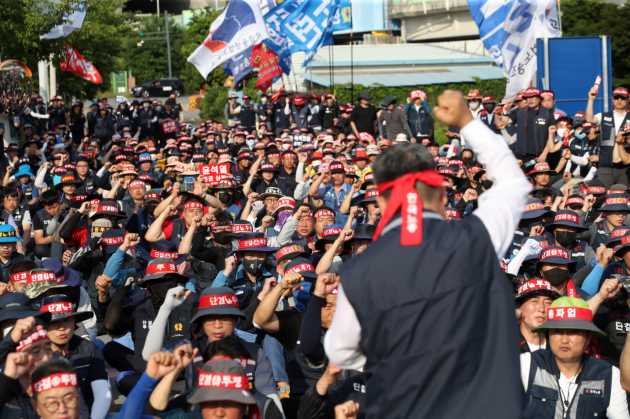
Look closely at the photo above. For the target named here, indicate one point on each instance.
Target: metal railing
(407, 8)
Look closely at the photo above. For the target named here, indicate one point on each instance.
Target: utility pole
(158, 8)
(168, 46)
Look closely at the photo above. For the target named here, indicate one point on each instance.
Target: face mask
(253, 267)
(251, 143)
(473, 105)
(487, 184)
(225, 197)
(566, 238)
(561, 132)
(580, 135)
(468, 161)
(556, 276)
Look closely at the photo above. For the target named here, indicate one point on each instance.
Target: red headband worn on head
(404, 197)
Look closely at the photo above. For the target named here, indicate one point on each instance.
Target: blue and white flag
(71, 22)
(239, 27)
(508, 30)
(240, 65)
(277, 41)
(306, 27)
(342, 20)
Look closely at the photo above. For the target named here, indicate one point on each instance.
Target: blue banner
(240, 66)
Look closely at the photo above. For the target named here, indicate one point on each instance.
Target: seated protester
(212, 241)
(540, 175)
(215, 321)
(532, 223)
(614, 209)
(584, 154)
(167, 227)
(18, 276)
(226, 192)
(262, 216)
(86, 359)
(563, 378)
(556, 266)
(32, 351)
(17, 317)
(329, 247)
(298, 228)
(284, 325)
(46, 223)
(67, 187)
(14, 210)
(9, 255)
(133, 309)
(563, 231)
(134, 199)
(162, 368)
(215, 399)
(332, 186)
(266, 179)
(532, 301)
(90, 221)
(361, 238)
(246, 271)
(331, 387)
(55, 391)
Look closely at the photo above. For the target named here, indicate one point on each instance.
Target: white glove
(257, 206)
(174, 298)
(532, 247)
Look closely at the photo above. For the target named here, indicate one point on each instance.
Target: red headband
(19, 277)
(62, 379)
(302, 267)
(217, 300)
(35, 337)
(570, 313)
(222, 380)
(193, 205)
(160, 254)
(62, 307)
(404, 197)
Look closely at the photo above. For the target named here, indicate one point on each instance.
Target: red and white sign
(214, 173)
(222, 380)
(76, 63)
(217, 300)
(62, 307)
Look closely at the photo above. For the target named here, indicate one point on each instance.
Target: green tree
(595, 17)
(145, 54)
(99, 40)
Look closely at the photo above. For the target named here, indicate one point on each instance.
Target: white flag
(71, 22)
(509, 28)
(239, 27)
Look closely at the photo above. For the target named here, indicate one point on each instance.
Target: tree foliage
(149, 60)
(595, 17)
(99, 40)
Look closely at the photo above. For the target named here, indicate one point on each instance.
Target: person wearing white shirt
(532, 301)
(562, 381)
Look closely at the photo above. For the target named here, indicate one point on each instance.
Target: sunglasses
(620, 97)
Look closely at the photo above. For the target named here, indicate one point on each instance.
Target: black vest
(437, 325)
(607, 138)
(591, 398)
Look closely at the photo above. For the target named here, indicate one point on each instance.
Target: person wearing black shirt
(329, 112)
(363, 116)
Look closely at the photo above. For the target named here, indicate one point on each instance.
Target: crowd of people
(195, 269)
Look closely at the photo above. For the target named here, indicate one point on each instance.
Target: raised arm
(500, 207)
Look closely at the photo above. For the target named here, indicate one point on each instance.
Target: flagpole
(352, 66)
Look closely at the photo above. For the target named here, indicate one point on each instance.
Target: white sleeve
(526, 362)
(102, 399)
(500, 208)
(86, 305)
(342, 339)
(597, 118)
(618, 405)
(581, 160)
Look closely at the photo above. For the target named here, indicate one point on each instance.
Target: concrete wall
(444, 25)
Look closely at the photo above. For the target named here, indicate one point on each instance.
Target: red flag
(77, 64)
(267, 63)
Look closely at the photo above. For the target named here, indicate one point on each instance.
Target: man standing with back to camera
(426, 310)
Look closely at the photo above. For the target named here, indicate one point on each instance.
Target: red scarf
(404, 197)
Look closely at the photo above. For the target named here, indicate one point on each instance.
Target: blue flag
(342, 20)
(277, 41)
(309, 26)
(240, 66)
